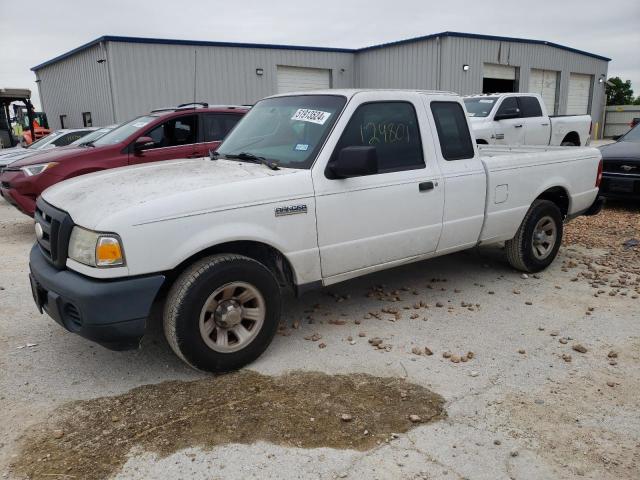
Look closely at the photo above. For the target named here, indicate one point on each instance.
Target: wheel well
(559, 196)
(572, 137)
(270, 257)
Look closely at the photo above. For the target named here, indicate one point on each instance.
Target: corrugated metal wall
(411, 65)
(419, 65)
(457, 52)
(146, 76)
(618, 119)
(75, 85)
(150, 76)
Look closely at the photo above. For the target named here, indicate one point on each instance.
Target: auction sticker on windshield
(313, 116)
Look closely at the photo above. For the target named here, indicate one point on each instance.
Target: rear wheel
(538, 239)
(568, 144)
(222, 312)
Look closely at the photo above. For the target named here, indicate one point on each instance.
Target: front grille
(56, 228)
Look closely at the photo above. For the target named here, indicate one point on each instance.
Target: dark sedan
(621, 166)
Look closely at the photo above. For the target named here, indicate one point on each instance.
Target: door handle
(518, 126)
(424, 186)
(544, 124)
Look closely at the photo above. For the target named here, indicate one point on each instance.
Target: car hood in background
(152, 192)
(621, 151)
(53, 155)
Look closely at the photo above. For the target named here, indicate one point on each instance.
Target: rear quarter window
(453, 130)
(530, 107)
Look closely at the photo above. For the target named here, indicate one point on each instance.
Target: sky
(40, 32)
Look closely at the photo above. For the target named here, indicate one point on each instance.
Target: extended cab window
(453, 130)
(175, 132)
(530, 107)
(216, 126)
(391, 127)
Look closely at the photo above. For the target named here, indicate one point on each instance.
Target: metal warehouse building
(113, 79)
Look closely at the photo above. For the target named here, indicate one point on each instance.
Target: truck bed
(516, 175)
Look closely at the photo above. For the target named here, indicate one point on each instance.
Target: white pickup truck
(521, 119)
(308, 190)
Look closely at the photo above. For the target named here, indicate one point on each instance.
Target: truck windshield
(286, 130)
(480, 107)
(122, 132)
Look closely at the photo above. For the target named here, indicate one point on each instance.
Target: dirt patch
(91, 438)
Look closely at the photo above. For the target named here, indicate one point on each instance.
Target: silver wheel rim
(232, 317)
(545, 235)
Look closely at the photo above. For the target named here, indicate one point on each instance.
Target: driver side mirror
(142, 143)
(507, 113)
(354, 162)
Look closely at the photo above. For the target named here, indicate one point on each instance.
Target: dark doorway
(498, 85)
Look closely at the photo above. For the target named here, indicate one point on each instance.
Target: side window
(453, 130)
(530, 107)
(216, 126)
(391, 127)
(509, 106)
(67, 138)
(175, 132)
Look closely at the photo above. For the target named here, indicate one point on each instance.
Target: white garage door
(544, 82)
(295, 79)
(503, 72)
(579, 94)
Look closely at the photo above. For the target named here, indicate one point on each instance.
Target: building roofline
(478, 36)
(203, 43)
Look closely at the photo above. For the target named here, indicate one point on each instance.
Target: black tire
(568, 144)
(520, 249)
(194, 287)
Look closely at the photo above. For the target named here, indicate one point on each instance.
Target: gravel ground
(550, 391)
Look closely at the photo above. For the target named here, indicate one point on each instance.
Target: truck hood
(167, 190)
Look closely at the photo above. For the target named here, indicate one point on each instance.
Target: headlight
(95, 249)
(32, 170)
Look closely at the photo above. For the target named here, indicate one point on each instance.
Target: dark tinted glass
(67, 138)
(453, 130)
(391, 127)
(509, 105)
(175, 132)
(216, 126)
(530, 107)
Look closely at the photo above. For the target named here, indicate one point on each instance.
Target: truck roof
(350, 92)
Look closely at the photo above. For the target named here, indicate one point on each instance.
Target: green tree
(619, 92)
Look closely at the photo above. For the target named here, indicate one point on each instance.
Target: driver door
(370, 221)
(173, 139)
(509, 131)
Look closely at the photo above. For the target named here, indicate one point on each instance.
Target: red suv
(188, 131)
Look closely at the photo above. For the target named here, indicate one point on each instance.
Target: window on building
(530, 107)
(175, 132)
(86, 119)
(391, 127)
(216, 126)
(453, 130)
(63, 120)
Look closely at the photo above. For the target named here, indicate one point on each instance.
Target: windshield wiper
(87, 144)
(248, 157)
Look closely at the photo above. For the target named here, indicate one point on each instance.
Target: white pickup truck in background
(308, 190)
(521, 119)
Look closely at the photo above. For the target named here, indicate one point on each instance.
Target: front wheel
(222, 312)
(538, 239)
